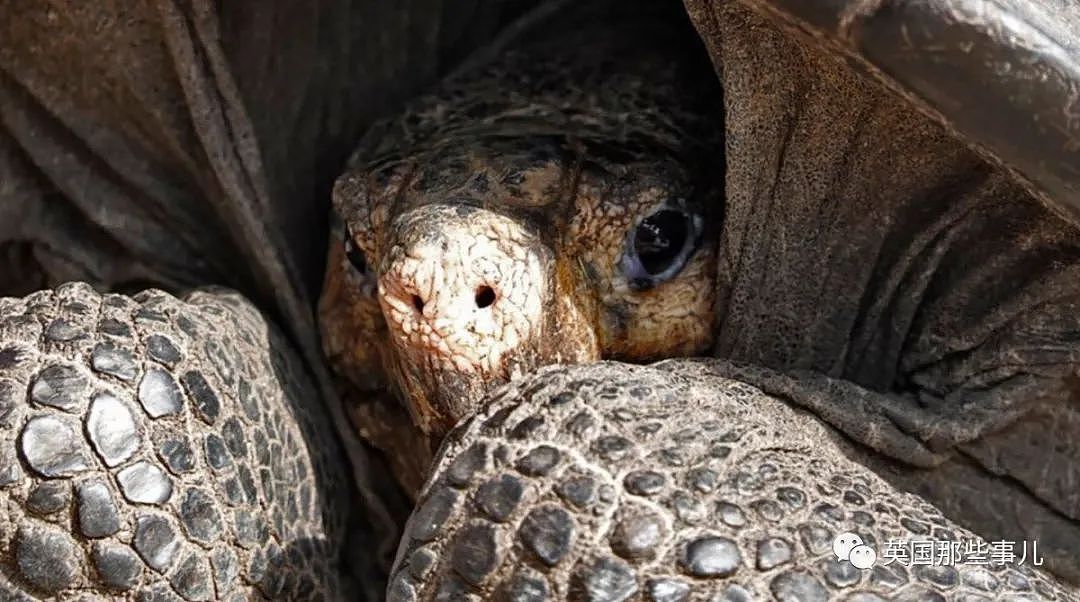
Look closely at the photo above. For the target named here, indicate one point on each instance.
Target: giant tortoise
(864, 212)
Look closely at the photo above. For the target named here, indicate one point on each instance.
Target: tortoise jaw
(438, 398)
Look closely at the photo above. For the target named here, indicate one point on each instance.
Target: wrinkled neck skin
(898, 285)
(492, 216)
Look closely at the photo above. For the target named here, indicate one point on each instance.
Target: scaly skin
(165, 449)
(669, 483)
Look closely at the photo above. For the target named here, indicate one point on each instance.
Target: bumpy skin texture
(159, 449)
(667, 482)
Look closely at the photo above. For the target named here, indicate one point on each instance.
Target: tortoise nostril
(485, 296)
(418, 303)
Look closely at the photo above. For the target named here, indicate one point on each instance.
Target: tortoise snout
(436, 294)
(463, 293)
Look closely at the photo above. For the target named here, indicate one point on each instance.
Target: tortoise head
(465, 264)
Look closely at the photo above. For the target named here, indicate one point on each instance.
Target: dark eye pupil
(660, 238)
(355, 255)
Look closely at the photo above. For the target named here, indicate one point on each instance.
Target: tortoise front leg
(167, 448)
(616, 482)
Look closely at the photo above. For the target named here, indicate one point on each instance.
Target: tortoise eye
(355, 255)
(659, 246)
